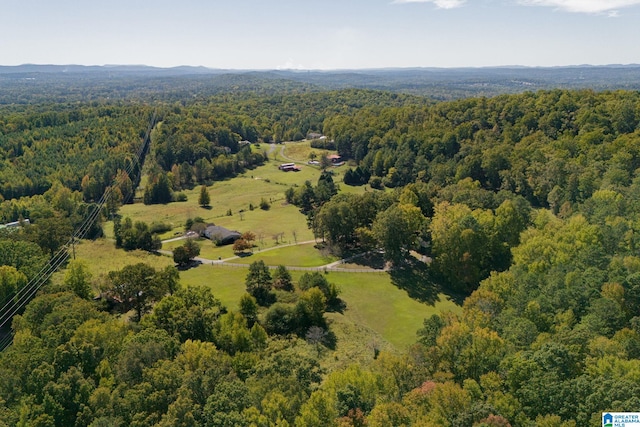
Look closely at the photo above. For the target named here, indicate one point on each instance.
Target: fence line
(292, 268)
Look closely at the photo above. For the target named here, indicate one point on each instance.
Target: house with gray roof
(221, 235)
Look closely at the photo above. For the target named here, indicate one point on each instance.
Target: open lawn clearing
(352, 189)
(299, 151)
(241, 194)
(235, 195)
(372, 301)
(101, 257)
(352, 266)
(355, 344)
(227, 284)
(297, 256)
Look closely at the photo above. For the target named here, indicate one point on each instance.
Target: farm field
(371, 299)
(241, 196)
(236, 195)
(375, 307)
(101, 257)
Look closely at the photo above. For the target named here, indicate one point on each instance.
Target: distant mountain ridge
(30, 82)
(125, 69)
(189, 69)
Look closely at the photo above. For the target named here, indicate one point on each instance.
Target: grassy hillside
(377, 312)
(372, 301)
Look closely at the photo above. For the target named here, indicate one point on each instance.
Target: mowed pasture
(375, 307)
(372, 301)
(101, 257)
(241, 196)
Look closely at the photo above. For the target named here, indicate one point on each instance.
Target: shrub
(376, 182)
(160, 227)
(264, 205)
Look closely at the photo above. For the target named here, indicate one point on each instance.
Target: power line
(24, 295)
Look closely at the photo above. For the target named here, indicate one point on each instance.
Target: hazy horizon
(509, 66)
(327, 35)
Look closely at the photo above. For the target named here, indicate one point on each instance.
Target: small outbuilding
(288, 167)
(335, 158)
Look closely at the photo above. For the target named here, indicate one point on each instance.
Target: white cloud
(441, 4)
(610, 7)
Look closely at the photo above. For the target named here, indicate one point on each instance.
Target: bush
(281, 319)
(376, 182)
(317, 280)
(160, 227)
(194, 224)
(181, 197)
(264, 205)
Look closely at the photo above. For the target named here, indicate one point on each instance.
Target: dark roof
(221, 234)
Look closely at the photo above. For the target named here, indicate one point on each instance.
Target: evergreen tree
(204, 199)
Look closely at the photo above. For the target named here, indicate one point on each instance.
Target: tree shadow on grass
(373, 260)
(420, 282)
(243, 254)
(191, 264)
(337, 306)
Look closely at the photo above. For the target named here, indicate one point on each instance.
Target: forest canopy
(525, 208)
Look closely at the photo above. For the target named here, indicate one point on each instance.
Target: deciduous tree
(258, 282)
(136, 287)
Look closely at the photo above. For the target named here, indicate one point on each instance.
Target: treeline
(205, 141)
(184, 359)
(84, 146)
(528, 205)
(551, 147)
(80, 146)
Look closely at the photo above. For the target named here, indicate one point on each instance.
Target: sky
(320, 34)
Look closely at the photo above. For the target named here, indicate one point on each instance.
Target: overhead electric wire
(24, 295)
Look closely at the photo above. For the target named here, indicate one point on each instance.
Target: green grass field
(265, 182)
(101, 257)
(377, 310)
(299, 151)
(241, 193)
(372, 301)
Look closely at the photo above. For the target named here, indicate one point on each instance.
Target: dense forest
(525, 207)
